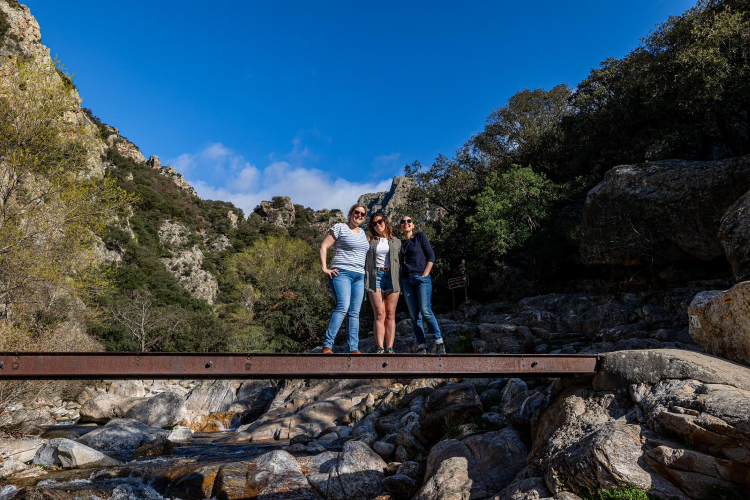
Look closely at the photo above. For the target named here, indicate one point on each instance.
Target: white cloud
(218, 173)
(381, 161)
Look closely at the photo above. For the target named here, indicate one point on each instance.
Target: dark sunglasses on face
(406, 221)
(378, 222)
(357, 212)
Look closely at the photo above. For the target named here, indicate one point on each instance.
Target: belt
(384, 269)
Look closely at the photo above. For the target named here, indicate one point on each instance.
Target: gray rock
(10, 466)
(156, 448)
(180, 434)
(104, 407)
(20, 449)
(447, 406)
(660, 212)
(121, 435)
(480, 466)
(69, 454)
(411, 469)
(359, 473)
(720, 322)
(385, 450)
(400, 486)
(531, 488)
(734, 235)
(275, 475)
(318, 468)
(163, 410)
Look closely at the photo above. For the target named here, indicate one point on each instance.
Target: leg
(425, 304)
(357, 295)
(391, 301)
(341, 288)
(378, 308)
(412, 303)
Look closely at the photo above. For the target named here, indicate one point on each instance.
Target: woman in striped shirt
(346, 276)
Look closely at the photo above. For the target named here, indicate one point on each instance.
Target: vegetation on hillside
(683, 93)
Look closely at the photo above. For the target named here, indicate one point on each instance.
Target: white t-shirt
(350, 249)
(383, 254)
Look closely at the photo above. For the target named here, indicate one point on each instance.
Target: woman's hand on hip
(331, 272)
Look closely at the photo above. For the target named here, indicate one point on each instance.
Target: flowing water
(179, 475)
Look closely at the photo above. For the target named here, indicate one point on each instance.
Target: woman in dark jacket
(417, 259)
(382, 280)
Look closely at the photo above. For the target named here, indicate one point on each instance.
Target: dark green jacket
(371, 273)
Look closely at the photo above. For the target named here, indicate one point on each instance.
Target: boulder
(479, 466)
(318, 468)
(720, 322)
(156, 448)
(447, 406)
(734, 235)
(530, 488)
(104, 407)
(275, 475)
(21, 449)
(661, 212)
(69, 454)
(121, 435)
(10, 466)
(359, 473)
(180, 434)
(401, 486)
(211, 396)
(163, 410)
(280, 212)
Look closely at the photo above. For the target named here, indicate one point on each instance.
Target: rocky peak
(388, 201)
(20, 33)
(153, 162)
(279, 212)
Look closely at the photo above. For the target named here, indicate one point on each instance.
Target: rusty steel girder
(95, 365)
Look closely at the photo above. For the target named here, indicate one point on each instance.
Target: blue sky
(322, 101)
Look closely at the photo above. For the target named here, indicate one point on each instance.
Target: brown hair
(388, 228)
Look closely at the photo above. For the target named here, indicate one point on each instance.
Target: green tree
(510, 207)
(54, 200)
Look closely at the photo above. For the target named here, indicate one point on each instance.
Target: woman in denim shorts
(382, 280)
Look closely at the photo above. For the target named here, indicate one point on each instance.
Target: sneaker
(390, 350)
(327, 350)
(380, 351)
(422, 350)
(440, 349)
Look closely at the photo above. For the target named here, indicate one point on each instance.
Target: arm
(427, 249)
(328, 242)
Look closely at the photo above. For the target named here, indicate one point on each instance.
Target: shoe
(380, 350)
(440, 349)
(422, 350)
(327, 350)
(355, 352)
(390, 350)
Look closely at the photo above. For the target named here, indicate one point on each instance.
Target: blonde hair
(356, 206)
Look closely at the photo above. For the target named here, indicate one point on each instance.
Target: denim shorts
(383, 282)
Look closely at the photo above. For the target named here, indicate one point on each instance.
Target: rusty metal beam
(88, 365)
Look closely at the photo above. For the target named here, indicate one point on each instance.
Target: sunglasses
(406, 221)
(378, 222)
(358, 213)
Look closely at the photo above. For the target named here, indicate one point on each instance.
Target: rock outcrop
(22, 35)
(661, 212)
(734, 234)
(279, 212)
(720, 322)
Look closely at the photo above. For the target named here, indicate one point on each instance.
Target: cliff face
(389, 201)
(19, 32)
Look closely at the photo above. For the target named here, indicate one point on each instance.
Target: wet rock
(104, 407)
(448, 405)
(193, 481)
(480, 466)
(158, 447)
(720, 322)
(359, 473)
(69, 454)
(163, 410)
(121, 435)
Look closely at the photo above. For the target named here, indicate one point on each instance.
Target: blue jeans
(418, 294)
(348, 291)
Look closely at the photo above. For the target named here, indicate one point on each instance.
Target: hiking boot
(390, 350)
(440, 349)
(355, 352)
(327, 350)
(422, 350)
(380, 351)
